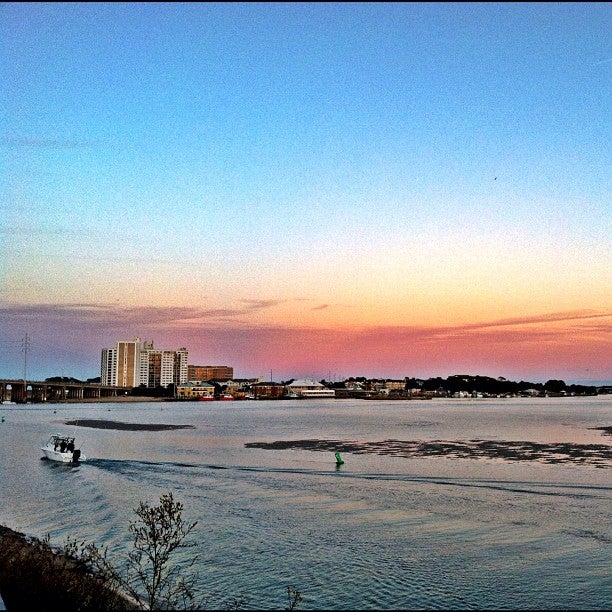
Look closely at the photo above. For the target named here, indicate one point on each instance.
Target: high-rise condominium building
(121, 364)
(133, 363)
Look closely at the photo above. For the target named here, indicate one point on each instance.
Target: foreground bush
(80, 577)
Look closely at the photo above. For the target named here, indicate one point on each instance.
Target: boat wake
(173, 472)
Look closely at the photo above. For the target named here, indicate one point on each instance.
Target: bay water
(380, 532)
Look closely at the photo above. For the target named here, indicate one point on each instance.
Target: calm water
(378, 533)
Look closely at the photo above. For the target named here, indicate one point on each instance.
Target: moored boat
(61, 448)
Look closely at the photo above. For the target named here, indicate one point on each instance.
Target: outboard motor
(76, 454)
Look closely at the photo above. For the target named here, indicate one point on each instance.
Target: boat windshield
(56, 440)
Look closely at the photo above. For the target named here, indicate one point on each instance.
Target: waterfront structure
(195, 390)
(305, 388)
(196, 372)
(136, 363)
(267, 390)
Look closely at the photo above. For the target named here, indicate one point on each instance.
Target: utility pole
(25, 345)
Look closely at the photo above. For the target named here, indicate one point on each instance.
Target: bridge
(22, 391)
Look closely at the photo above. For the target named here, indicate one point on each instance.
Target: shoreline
(103, 400)
(97, 400)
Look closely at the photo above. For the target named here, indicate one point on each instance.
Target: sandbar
(597, 455)
(104, 424)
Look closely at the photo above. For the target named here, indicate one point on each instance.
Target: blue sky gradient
(321, 168)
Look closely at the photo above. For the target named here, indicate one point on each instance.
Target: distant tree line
(159, 391)
(480, 384)
(500, 386)
(71, 379)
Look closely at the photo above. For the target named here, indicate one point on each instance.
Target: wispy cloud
(254, 305)
(526, 324)
(99, 314)
(32, 230)
(245, 308)
(141, 316)
(553, 317)
(47, 143)
(152, 315)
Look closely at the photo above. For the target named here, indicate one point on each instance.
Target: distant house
(395, 385)
(235, 388)
(353, 385)
(306, 388)
(195, 390)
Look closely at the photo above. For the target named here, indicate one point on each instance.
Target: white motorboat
(61, 448)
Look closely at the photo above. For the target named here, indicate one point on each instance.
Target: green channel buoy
(339, 460)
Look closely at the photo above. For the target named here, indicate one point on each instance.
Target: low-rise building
(395, 385)
(305, 388)
(267, 390)
(195, 390)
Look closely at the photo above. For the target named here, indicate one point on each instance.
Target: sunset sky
(309, 190)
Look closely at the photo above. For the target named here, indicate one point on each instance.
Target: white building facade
(120, 366)
(306, 388)
(160, 368)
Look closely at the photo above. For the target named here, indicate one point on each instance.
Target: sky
(314, 190)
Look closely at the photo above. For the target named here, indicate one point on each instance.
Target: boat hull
(65, 457)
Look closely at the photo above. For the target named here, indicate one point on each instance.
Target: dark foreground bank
(35, 577)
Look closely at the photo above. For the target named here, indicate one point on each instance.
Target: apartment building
(160, 368)
(120, 365)
(133, 363)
